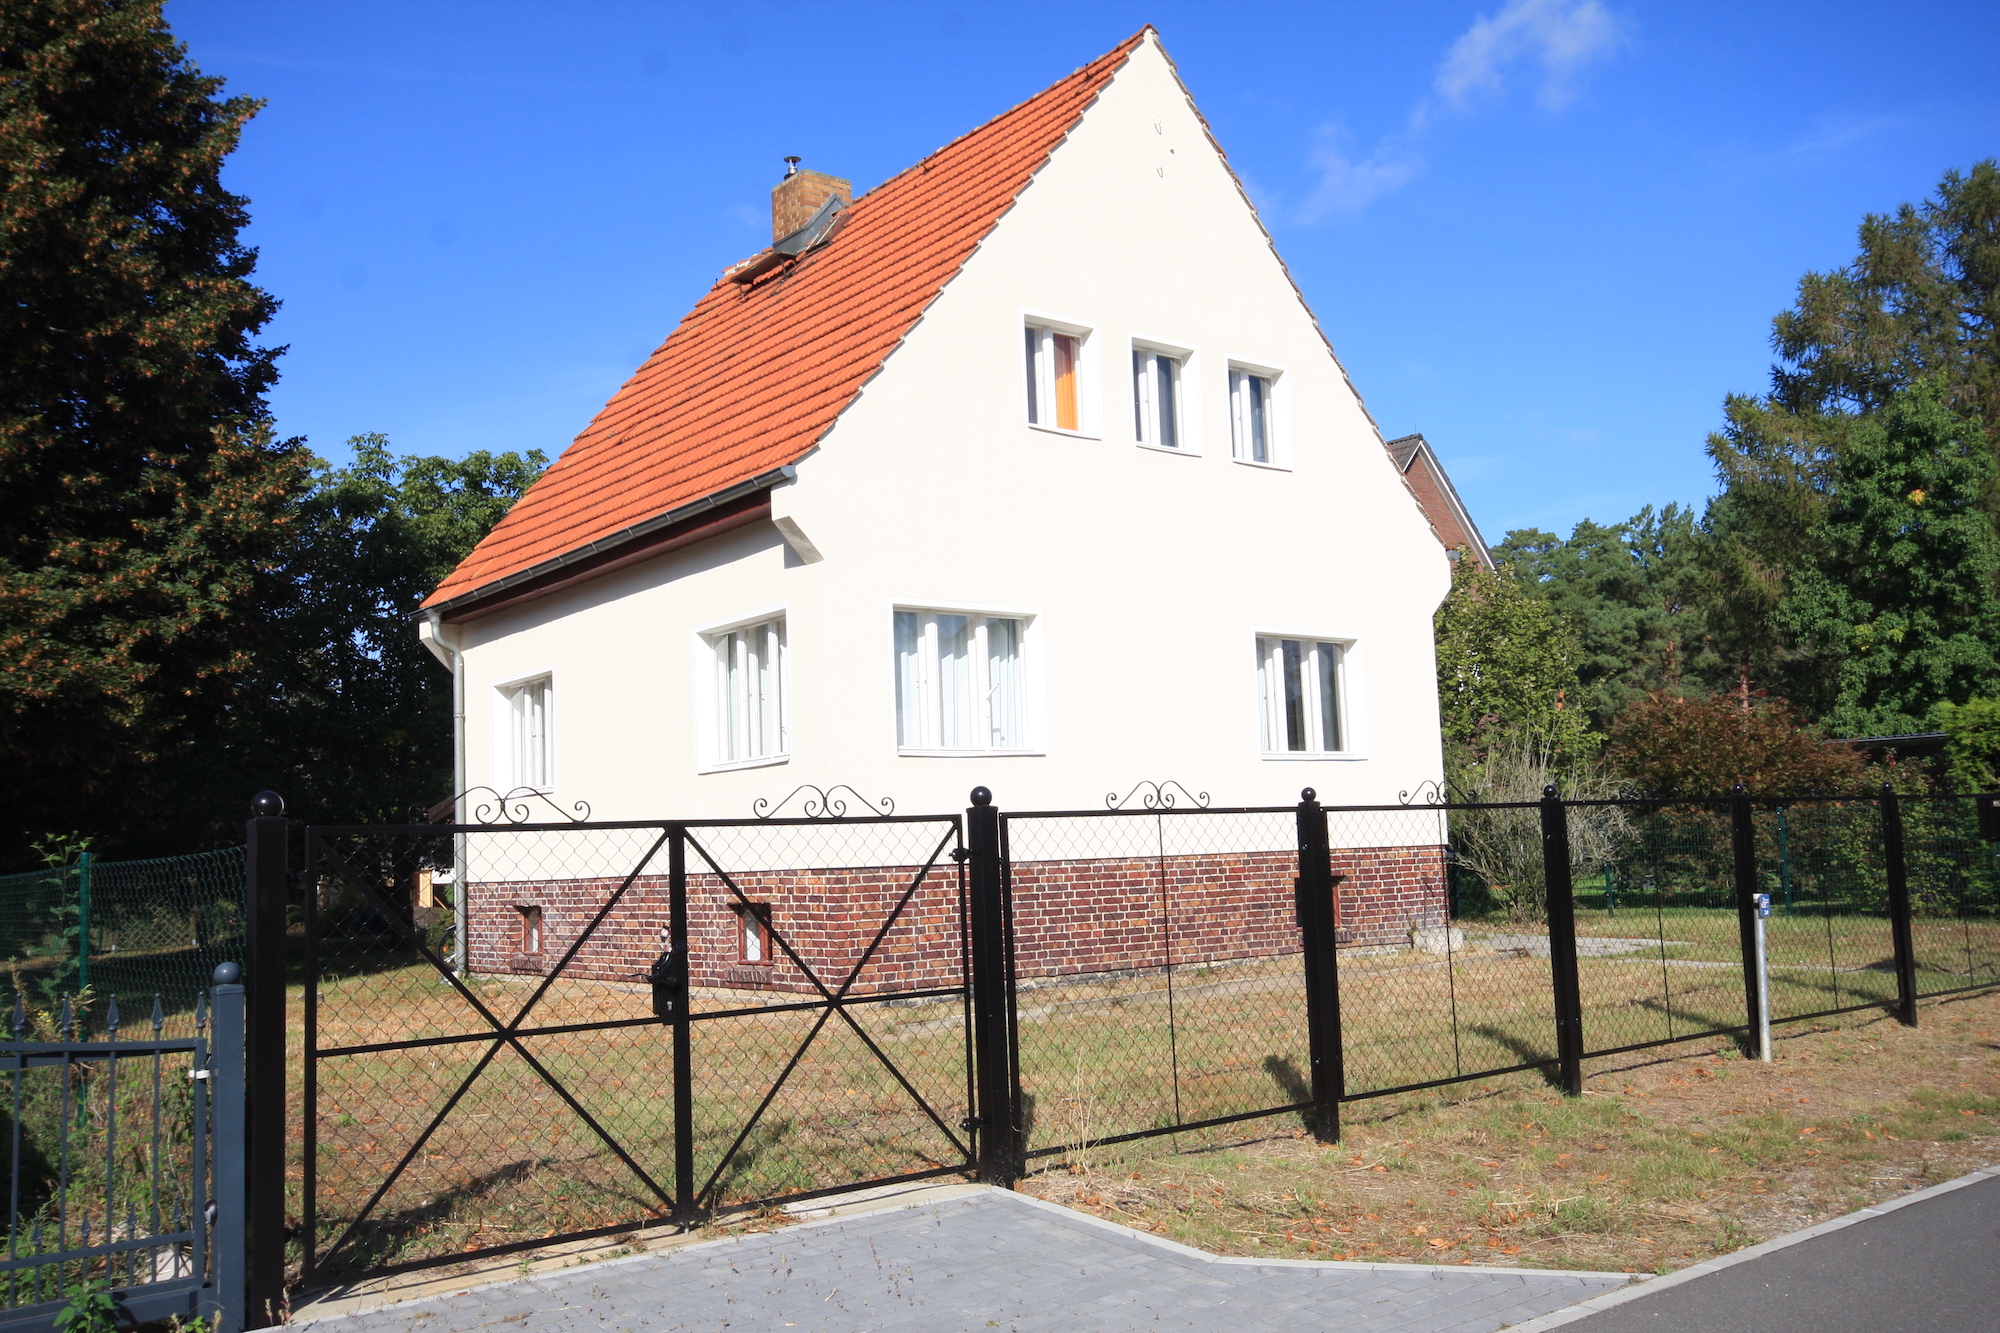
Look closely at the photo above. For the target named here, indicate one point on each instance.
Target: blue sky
(1549, 234)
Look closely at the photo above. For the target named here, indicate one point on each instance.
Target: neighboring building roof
(757, 372)
(1426, 478)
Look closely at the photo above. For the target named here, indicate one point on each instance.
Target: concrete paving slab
(987, 1259)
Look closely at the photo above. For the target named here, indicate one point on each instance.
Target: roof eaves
(637, 532)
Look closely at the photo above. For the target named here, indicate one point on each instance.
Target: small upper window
(1252, 423)
(1156, 398)
(1300, 696)
(530, 748)
(750, 713)
(1054, 395)
(959, 682)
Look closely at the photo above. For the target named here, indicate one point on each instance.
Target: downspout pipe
(433, 633)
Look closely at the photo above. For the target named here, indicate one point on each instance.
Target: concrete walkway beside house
(971, 1258)
(986, 1259)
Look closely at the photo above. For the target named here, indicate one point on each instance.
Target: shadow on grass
(1294, 1085)
(1525, 1052)
(387, 1238)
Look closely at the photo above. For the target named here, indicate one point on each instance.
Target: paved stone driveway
(990, 1260)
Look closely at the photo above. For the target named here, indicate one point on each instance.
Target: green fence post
(83, 921)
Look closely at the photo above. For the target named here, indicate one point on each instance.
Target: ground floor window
(531, 929)
(960, 681)
(750, 716)
(1300, 695)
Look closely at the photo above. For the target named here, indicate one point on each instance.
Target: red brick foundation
(1070, 918)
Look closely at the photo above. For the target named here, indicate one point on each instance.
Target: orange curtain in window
(1065, 349)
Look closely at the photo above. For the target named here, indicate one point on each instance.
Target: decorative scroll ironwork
(1156, 797)
(823, 803)
(514, 807)
(1430, 792)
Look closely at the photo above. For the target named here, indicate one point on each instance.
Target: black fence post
(265, 859)
(1898, 867)
(1743, 857)
(1313, 895)
(994, 1117)
(1562, 942)
(677, 942)
(224, 1310)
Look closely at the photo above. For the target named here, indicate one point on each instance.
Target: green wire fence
(136, 930)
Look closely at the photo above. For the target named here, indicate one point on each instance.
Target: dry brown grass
(1670, 1156)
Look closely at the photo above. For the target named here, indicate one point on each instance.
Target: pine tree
(142, 496)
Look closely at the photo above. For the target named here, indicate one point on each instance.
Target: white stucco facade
(1144, 576)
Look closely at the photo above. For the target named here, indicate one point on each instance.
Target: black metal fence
(643, 1022)
(123, 1166)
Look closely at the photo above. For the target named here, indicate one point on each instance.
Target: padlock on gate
(669, 976)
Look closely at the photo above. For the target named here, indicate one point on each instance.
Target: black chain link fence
(497, 1085)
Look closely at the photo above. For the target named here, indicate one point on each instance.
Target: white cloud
(1347, 185)
(1560, 38)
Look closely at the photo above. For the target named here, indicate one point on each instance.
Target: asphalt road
(1929, 1267)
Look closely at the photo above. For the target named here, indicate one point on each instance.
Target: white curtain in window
(750, 673)
(528, 709)
(1003, 689)
(959, 682)
(910, 729)
(1298, 696)
(1155, 398)
(1250, 415)
(954, 677)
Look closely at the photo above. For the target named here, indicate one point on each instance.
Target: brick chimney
(798, 196)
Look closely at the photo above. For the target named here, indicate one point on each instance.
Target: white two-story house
(1029, 468)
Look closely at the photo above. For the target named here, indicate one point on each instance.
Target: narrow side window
(1250, 422)
(529, 746)
(1156, 393)
(1053, 398)
(750, 711)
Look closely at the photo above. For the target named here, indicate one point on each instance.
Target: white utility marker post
(1763, 901)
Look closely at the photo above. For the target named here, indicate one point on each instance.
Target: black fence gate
(607, 1026)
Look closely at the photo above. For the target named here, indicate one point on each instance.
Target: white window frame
(1187, 410)
(1350, 681)
(710, 681)
(1277, 415)
(1089, 413)
(1032, 690)
(507, 759)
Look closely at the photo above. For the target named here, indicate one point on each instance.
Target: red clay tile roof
(755, 374)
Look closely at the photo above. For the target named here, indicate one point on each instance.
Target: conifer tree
(142, 496)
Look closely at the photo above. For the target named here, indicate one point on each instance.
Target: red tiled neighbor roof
(756, 373)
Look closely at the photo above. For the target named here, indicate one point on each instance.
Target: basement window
(753, 934)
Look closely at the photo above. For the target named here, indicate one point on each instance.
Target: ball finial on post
(981, 796)
(267, 805)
